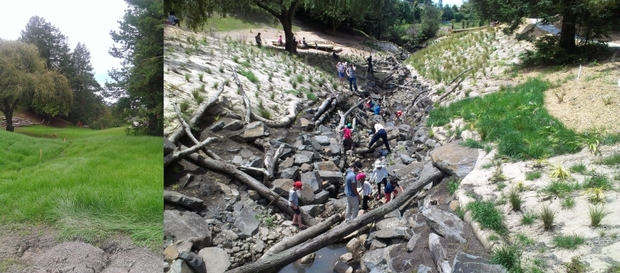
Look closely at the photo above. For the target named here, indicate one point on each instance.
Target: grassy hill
(90, 184)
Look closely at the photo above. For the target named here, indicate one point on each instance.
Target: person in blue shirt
(293, 198)
(377, 109)
(350, 190)
(352, 77)
(173, 19)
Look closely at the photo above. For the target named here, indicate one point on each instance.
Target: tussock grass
(559, 188)
(613, 160)
(508, 256)
(578, 168)
(568, 241)
(516, 119)
(528, 218)
(249, 75)
(597, 213)
(90, 184)
(548, 217)
(515, 200)
(598, 181)
(485, 213)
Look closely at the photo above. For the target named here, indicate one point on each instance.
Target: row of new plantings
(90, 185)
(533, 195)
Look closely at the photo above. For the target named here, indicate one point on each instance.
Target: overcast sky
(458, 3)
(85, 21)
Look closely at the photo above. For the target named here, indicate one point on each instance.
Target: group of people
(343, 69)
(259, 40)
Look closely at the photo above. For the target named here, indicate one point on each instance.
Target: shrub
(548, 217)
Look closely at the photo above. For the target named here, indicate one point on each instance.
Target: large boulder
(322, 140)
(233, 125)
(290, 173)
(215, 258)
(374, 261)
(306, 195)
(445, 223)
(333, 177)
(303, 157)
(313, 210)
(186, 226)
(306, 124)
(282, 186)
(312, 179)
(455, 159)
(180, 199)
(194, 261)
(464, 262)
(226, 238)
(326, 166)
(180, 266)
(246, 222)
(321, 197)
(254, 130)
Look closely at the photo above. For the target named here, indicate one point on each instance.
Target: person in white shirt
(366, 190)
(380, 176)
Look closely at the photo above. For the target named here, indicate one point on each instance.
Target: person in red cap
(293, 199)
(366, 190)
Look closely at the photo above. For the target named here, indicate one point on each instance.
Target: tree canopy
(139, 43)
(24, 80)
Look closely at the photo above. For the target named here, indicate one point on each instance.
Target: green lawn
(91, 184)
(241, 22)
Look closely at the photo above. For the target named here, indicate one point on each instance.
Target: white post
(579, 73)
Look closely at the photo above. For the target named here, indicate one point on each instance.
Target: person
(280, 41)
(366, 189)
(379, 176)
(380, 133)
(294, 40)
(369, 64)
(392, 189)
(293, 199)
(350, 190)
(340, 70)
(173, 19)
(333, 54)
(346, 135)
(259, 41)
(352, 78)
(303, 41)
(377, 109)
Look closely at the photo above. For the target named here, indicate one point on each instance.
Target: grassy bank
(90, 184)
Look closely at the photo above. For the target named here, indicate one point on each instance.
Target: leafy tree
(335, 12)
(139, 44)
(447, 14)
(52, 44)
(573, 13)
(84, 86)
(24, 80)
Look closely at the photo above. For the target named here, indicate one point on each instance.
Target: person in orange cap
(293, 199)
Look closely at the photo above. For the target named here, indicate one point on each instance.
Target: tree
(337, 11)
(84, 87)
(572, 12)
(139, 44)
(52, 44)
(24, 80)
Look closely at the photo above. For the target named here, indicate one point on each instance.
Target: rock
(306, 195)
(282, 186)
(377, 244)
(445, 223)
(323, 140)
(254, 130)
(226, 238)
(404, 128)
(233, 125)
(313, 210)
(308, 259)
(168, 146)
(455, 159)
(333, 177)
(171, 253)
(254, 195)
(399, 260)
(413, 241)
(179, 199)
(425, 269)
(374, 261)
(306, 124)
(393, 233)
(411, 170)
(246, 222)
(186, 226)
(354, 245)
(290, 173)
(312, 179)
(395, 213)
(179, 266)
(216, 126)
(321, 197)
(305, 168)
(391, 223)
(347, 257)
(194, 261)
(259, 246)
(464, 262)
(234, 150)
(406, 159)
(303, 157)
(286, 163)
(215, 258)
(334, 146)
(77, 256)
(326, 166)
(237, 160)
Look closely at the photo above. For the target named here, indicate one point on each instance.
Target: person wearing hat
(350, 190)
(366, 189)
(346, 135)
(380, 176)
(380, 133)
(293, 199)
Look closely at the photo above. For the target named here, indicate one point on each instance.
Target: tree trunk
(8, 113)
(567, 36)
(288, 256)
(287, 24)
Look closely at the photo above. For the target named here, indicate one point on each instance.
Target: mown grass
(90, 184)
(514, 118)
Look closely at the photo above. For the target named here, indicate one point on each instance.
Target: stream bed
(323, 263)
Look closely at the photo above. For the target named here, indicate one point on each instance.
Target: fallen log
(290, 255)
(174, 156)
(453, 88)
(186, 127)
(326, 103)
(344, 116)
(302, 236)
(221, 166)
(246, 102)
(176, 135)
(285, 122)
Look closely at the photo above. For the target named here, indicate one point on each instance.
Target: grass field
(90, 184)
(241, 22)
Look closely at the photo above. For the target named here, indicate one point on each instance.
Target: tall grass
(485, 213)
(90, 184)
(516, 119)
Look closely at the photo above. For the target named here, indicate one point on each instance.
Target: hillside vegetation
(91, 184)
